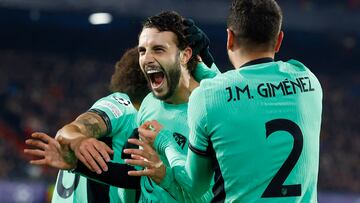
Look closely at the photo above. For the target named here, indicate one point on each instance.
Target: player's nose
(148, 58)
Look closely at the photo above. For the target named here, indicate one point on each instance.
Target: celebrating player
(256, 127)
(167, 61)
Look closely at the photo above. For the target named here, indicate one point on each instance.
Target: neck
(241, 57)
(180, 96)
(186, 85)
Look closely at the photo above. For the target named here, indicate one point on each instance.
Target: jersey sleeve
(117, 175)
(197, 121)
(203, 72)
(182, 185)
(113, 110)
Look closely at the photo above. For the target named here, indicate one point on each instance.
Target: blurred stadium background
(54, 63)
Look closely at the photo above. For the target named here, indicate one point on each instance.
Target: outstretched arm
(52, 154)
(88, 151)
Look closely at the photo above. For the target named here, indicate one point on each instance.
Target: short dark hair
(128, 77)
(255, 22)
(173, 22)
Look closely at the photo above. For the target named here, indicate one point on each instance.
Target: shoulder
(115, 103)
(117, 96)
(210, 89)
(119, 99)
(218, 82)
(150, 99)
(148, 106)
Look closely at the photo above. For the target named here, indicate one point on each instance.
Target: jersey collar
(258, 61)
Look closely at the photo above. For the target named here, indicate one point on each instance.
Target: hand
(149, 130)
(199, 42)
(90, 151)
(146, 158)
(50, 151)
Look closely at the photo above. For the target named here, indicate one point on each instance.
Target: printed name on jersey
(266, 90)
(112, 107)
(180, 139)
(122, 101)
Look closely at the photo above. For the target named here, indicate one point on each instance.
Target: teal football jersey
(261, 125)
(70, 188)
(173, 117)
(120, 117)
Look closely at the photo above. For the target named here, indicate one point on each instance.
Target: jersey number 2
(276, 187)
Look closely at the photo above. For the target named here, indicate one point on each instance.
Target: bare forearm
(86, 125)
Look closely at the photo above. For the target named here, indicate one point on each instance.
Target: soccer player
(167, 61)
(112, 117)
(165, 56)
(256, 127)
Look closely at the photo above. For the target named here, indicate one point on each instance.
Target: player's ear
(185, 55)
(230, 39)
(279, 41)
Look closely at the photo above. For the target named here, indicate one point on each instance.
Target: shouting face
(159, 59)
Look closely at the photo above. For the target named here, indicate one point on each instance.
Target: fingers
(93, 158)
(192, 31)
(137, 157)
(89, 161)
(137, 162)
(156, 125)
(42, 136)
(149, 134)
(188, 22)
(35, 152)
(145, 172)
(137, 152)
(137, 142)
(83, 160)
(94, 154)
(106, 150)
(36, 143)
(39, 162)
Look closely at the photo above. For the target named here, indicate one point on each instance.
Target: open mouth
(156, 77)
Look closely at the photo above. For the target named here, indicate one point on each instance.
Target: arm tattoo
(91, 125)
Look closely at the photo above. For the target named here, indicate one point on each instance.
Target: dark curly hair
(255, 22)
(173, 22)
(128, 77)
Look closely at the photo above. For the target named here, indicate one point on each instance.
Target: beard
(173, 77)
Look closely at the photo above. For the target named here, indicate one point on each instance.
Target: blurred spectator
(42, 92)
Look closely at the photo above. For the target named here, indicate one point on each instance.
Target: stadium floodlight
(100, 18)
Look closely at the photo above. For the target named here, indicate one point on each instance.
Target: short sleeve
(111, 109)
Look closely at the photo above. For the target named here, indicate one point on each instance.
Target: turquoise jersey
(120, 117)
(70, 188)
(173, 117)
(260, 125)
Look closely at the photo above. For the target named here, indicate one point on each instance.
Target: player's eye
(159, 50)
(141, 51)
